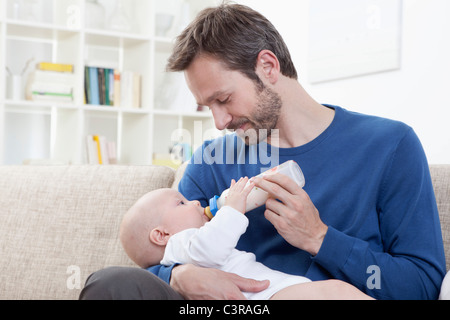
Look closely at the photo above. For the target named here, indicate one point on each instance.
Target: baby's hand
(237, 196)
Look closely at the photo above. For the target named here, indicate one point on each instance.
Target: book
(93, 86)
(102, 86)
(52, 77)
(136, 93)
(87, 87)
(107, 101)
(91, 150)
(117, 85)
(40, 91)
(112, 152)
(130, 90)
(165, 160)
(100, 151)
(58, 67)
(51, 96)
(104, 150)
(50, 86)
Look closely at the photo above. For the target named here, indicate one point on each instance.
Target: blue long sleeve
(162, 272)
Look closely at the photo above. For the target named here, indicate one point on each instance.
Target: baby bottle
(257, 196)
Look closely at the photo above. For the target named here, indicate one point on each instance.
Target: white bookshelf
(55, 132)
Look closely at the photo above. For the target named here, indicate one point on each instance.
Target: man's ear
(268, 66)
(159, 237)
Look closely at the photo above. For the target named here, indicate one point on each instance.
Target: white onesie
(213, 246)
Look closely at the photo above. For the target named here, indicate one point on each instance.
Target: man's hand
(195, 283)
(296, 218)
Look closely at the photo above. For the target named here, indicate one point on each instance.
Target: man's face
(236, 102)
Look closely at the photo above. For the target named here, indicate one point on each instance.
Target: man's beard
(264, 120)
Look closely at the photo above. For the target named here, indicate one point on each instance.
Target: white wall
(417, 94)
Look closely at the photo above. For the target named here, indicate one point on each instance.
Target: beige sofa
(59, 224)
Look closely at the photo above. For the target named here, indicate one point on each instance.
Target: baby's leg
(321, 290)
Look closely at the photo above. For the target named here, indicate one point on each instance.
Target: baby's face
(180, 214)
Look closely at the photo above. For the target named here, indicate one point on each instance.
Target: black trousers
(119, 283)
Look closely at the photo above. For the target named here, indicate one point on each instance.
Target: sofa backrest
(60, 224)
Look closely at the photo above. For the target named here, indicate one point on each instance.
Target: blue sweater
(369, 179)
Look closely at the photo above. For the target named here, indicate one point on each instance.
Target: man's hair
(235, 34)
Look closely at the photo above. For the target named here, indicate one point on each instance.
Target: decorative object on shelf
(14, 89)
(15, 85)
(163, 24)
(119, 20)
(95, 15)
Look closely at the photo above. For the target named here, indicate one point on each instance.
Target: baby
(165, 228)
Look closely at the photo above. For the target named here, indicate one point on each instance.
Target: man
(367, 214)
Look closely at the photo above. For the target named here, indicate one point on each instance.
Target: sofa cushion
(441, 181)
(179, 175)
(445, 289)
(60, 224)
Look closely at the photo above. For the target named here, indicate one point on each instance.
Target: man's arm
(197, 283)
(412, 264)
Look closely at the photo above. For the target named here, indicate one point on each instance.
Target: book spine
(136, 102)
(130, 90)
(57, 67)
(106, 77)
(87, 87)
(51, 88)
(91, 146)
(125, 90)
(99, 149)
(101, 85)
(104, 150)
(111, 87)
(66, 97)
(94, 86)
(52, 77)
(117, 79)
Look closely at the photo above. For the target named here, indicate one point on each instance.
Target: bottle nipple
(208, 213)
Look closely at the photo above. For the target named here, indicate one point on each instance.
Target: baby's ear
(159, 237)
